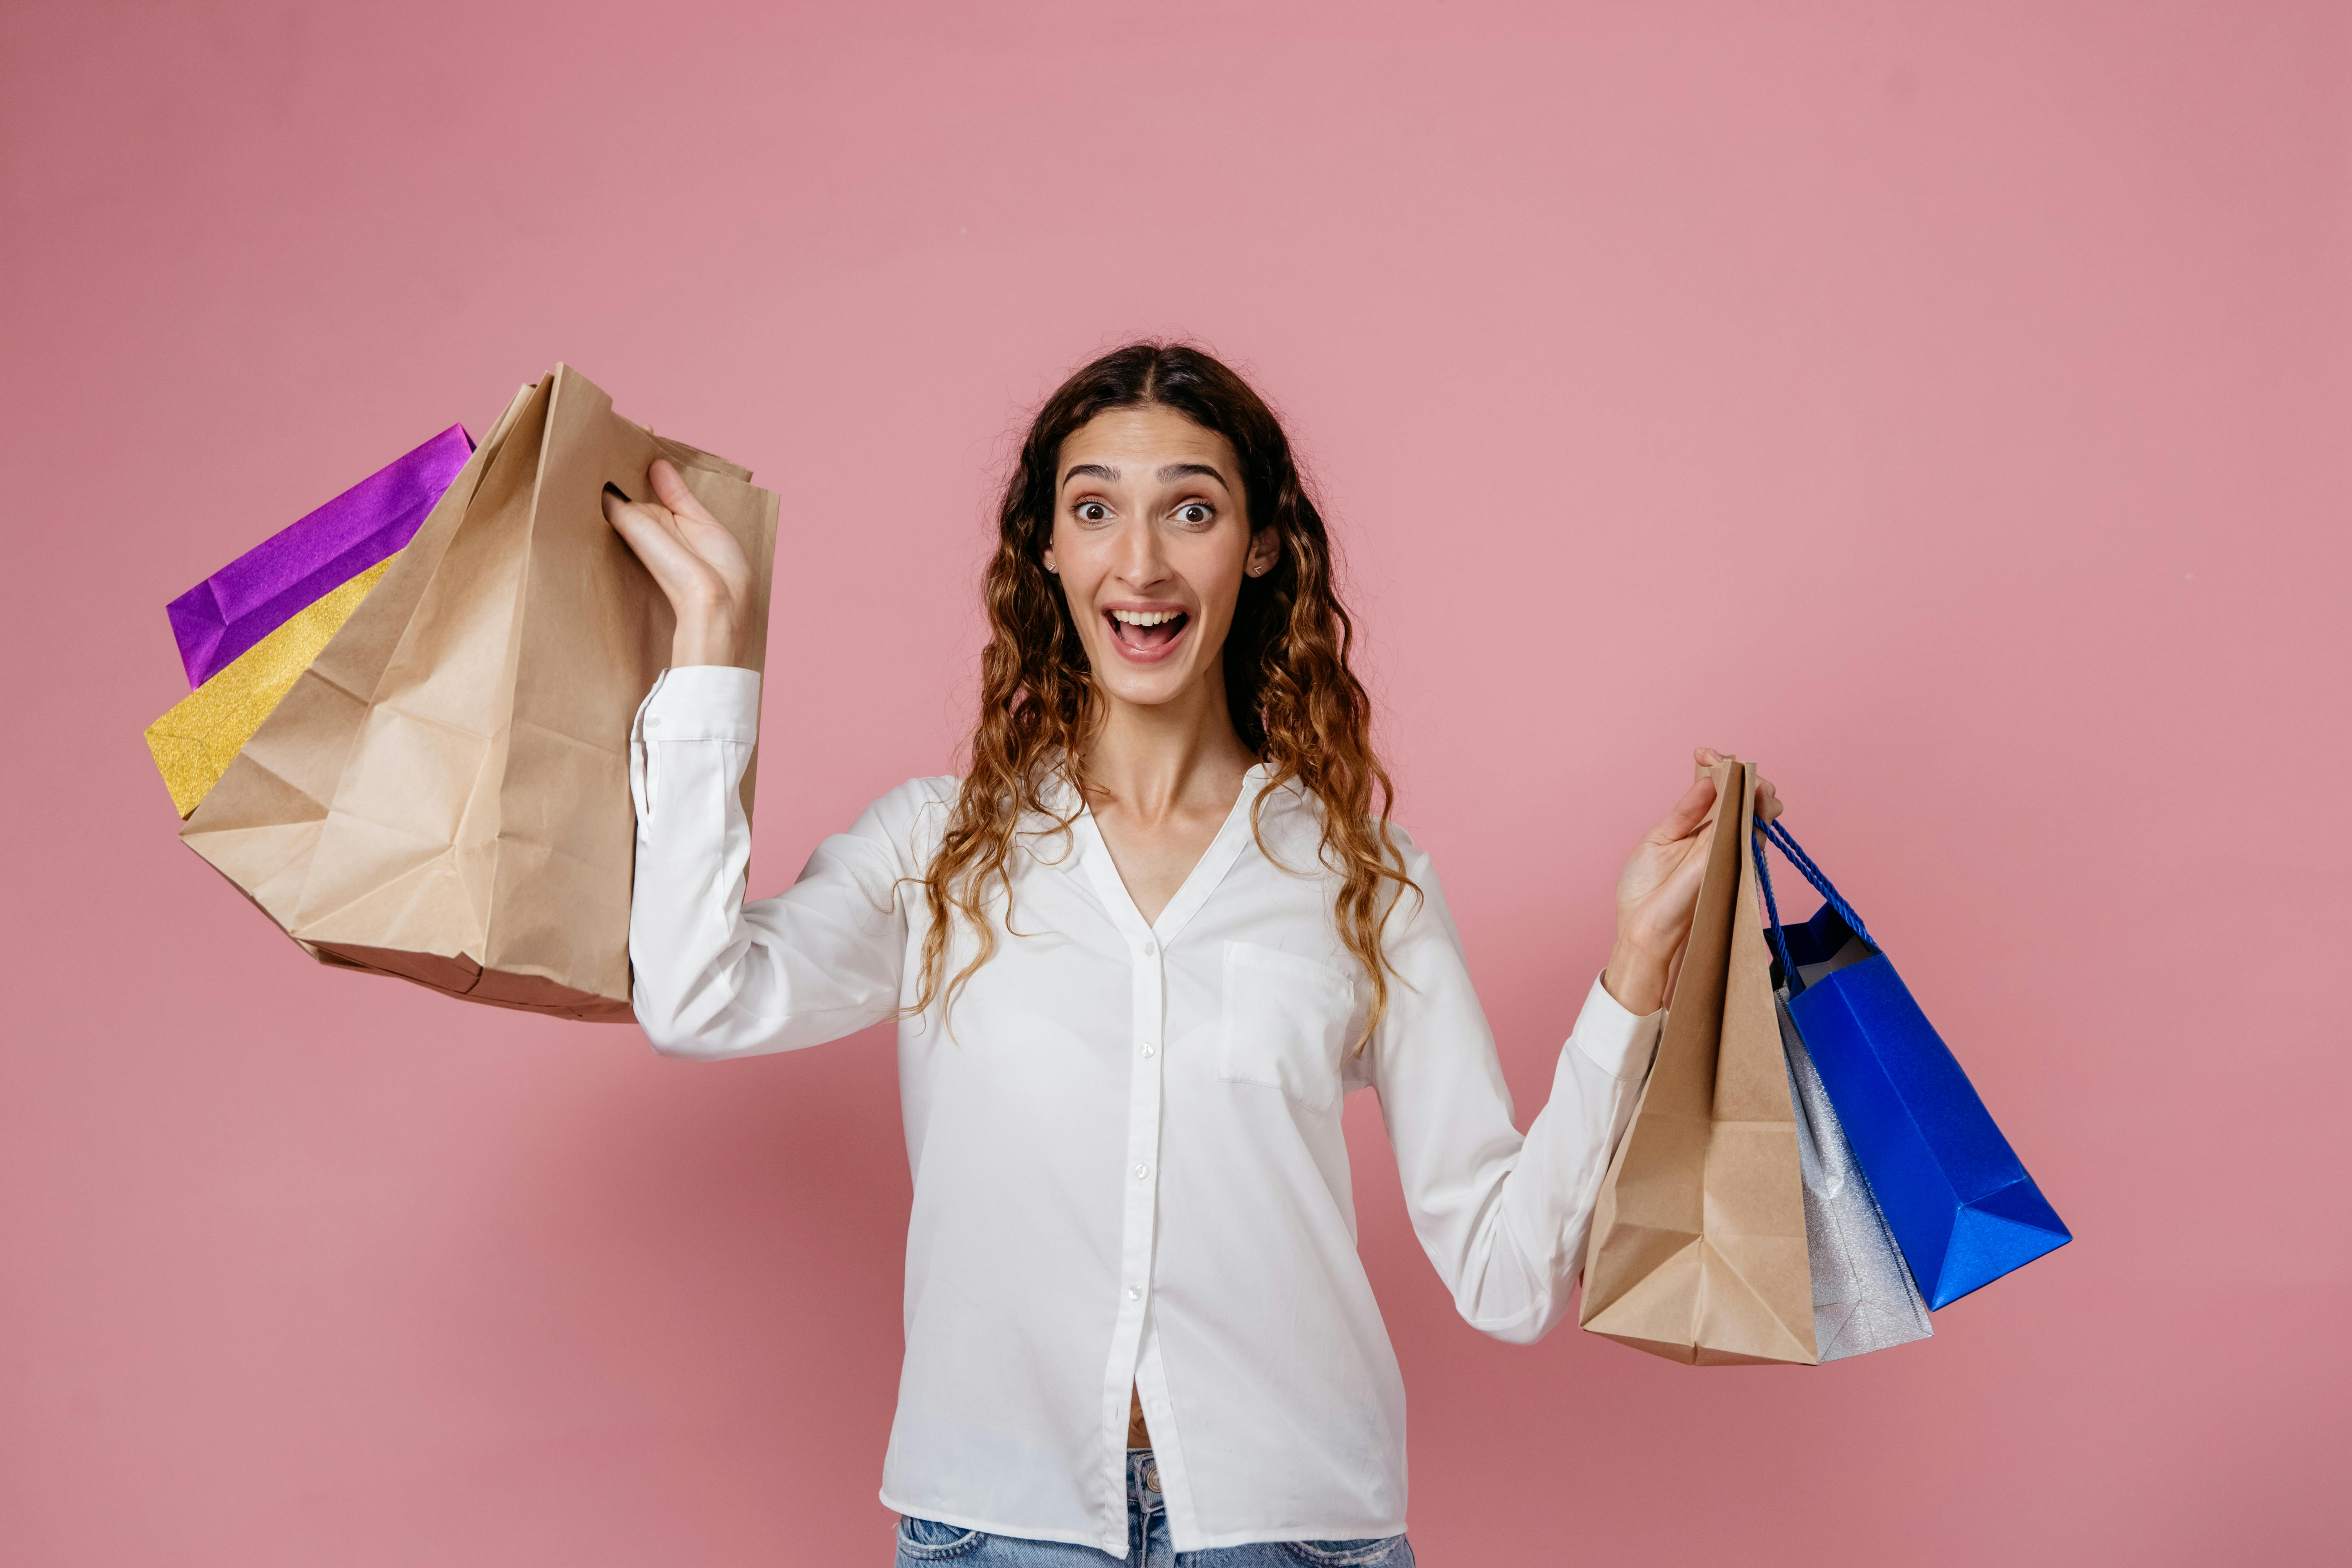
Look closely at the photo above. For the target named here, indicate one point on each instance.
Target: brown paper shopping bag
(444, 794)
(1698, 1251)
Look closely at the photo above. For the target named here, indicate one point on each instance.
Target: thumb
(670, 485)
(1689, 813)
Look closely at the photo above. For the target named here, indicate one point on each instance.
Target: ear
(1048, 559)
(1266, 549)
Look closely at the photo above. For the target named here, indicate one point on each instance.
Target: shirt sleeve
(711, 976)
(1503, 1216)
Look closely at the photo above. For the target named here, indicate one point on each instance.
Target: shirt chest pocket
(1285, 1023)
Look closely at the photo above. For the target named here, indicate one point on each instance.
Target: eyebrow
(1174, 471)
(1169, 473)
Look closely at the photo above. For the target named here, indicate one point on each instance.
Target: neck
(1157, 760)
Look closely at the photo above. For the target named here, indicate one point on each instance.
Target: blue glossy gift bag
(1959, 1203)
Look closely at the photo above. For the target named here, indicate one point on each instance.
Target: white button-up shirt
(1128, 1166)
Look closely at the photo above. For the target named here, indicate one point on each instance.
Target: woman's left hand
(1658, 891)
(695, 561)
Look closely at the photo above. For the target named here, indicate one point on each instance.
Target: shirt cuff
(1618, 1042)
(702, 702)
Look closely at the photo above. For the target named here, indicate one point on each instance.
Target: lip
(1146, 656)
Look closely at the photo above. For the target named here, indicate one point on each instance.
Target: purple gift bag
(256, 594)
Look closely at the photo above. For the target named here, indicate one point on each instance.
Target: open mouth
(1146, 633)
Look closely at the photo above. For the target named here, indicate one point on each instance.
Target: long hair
(1294, 700)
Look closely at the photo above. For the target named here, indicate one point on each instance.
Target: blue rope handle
(1813, 873)
(1779, 941)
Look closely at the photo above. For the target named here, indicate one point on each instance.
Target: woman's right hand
(1657, 893)
(700, 568)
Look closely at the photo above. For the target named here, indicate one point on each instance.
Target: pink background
(1946, 404)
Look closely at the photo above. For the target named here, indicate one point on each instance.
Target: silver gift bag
(1864, 1296)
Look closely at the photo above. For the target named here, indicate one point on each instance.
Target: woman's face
(1151, 540)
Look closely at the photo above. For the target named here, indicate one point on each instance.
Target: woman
(1138, 955)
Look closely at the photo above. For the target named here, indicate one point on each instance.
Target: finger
(636, 520)
(652, 533)
(1688, 814)
(670, 485)
(615, 504)
(1768, 801)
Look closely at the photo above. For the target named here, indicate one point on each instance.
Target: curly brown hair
(1293, 697)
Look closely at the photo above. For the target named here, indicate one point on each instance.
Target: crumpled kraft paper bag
(444, 794)
(1697, 1250)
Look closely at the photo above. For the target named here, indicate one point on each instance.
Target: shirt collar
(1094, 862)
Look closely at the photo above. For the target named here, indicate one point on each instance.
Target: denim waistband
(1144, 1497)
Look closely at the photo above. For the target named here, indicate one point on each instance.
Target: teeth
(1144, 617)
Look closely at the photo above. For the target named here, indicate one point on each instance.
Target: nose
(1143, 559)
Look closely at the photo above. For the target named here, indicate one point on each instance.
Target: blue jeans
(924, 1541)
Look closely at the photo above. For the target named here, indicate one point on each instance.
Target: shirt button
(653, 723)
(1135, 1292)
(1150, 948)
(1150, 1050)
(1141, 1170)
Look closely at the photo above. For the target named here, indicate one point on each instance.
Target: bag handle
(1803, 862)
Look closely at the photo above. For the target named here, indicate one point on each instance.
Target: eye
(1093, 512)
(1196, 512)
